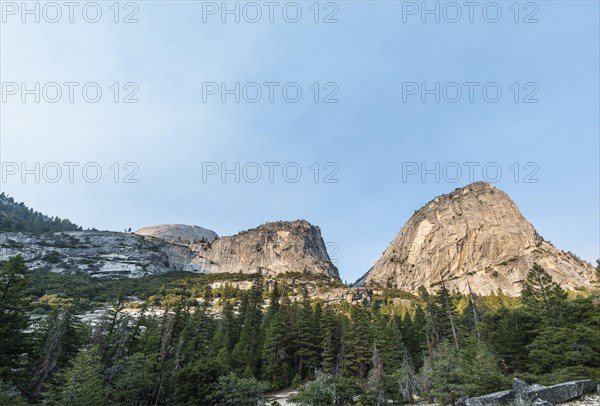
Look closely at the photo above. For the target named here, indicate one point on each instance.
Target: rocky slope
(99, 253)
(473, 235)
(178, 232)
(272, 249)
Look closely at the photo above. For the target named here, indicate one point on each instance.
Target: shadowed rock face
(475, 234)
(271, 249)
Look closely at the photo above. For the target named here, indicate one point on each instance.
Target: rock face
(271, 249)
(99, 253)
(475, 234)
(178, 232)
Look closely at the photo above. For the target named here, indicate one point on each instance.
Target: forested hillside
(201, 351)
(18, 217)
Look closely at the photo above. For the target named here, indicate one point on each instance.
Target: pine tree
(308, 347)
(388, 339)
(432, 330)
(81, 384)
(132, 382)
(470, 319)
(510, 332)
(572, 350)
(162, 356)
(413, 334)
(357, 344)
(274, 353)
(233, 391)
(331, 342)
(444, 312)
(377, 377)
(58, 339)
(195, 382)
(542, 295)
(320, 392)
(199, 328)
(407, 378)
(481, 368)
(227, 331)
(13, 316)
(449, 380)
(246, 352)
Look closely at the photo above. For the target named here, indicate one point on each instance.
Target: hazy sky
(363, 129)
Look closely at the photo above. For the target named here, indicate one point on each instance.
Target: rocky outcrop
(178, 232)
(525, 394)
(272, 249)
(473, 235)
(98, 253)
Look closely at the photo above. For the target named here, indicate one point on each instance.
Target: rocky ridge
(271, 249)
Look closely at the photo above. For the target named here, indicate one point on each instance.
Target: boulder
(538, 395)
(563, 392)
(505, 397)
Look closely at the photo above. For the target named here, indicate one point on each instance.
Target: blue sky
(369, 138)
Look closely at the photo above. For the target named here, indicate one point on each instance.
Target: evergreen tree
(320, 392)
(481, 368)
(274, 353)
(13, 316)
(408, 382)
(132, 382)
(432, 330)
(57, 339)
(81, 383)
(444, 313)
(357, 344)
(246, 352)
(413, 335)
(199, 328)
(510, 332)
(331, 342)
(9, 395)
(233, 391)
(448, 378)
(556, 348)
(376, 377)
(542, 295)
(308, 346)
(226, 335)
(203, 373)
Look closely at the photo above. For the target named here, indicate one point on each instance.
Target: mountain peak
(477, 235)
